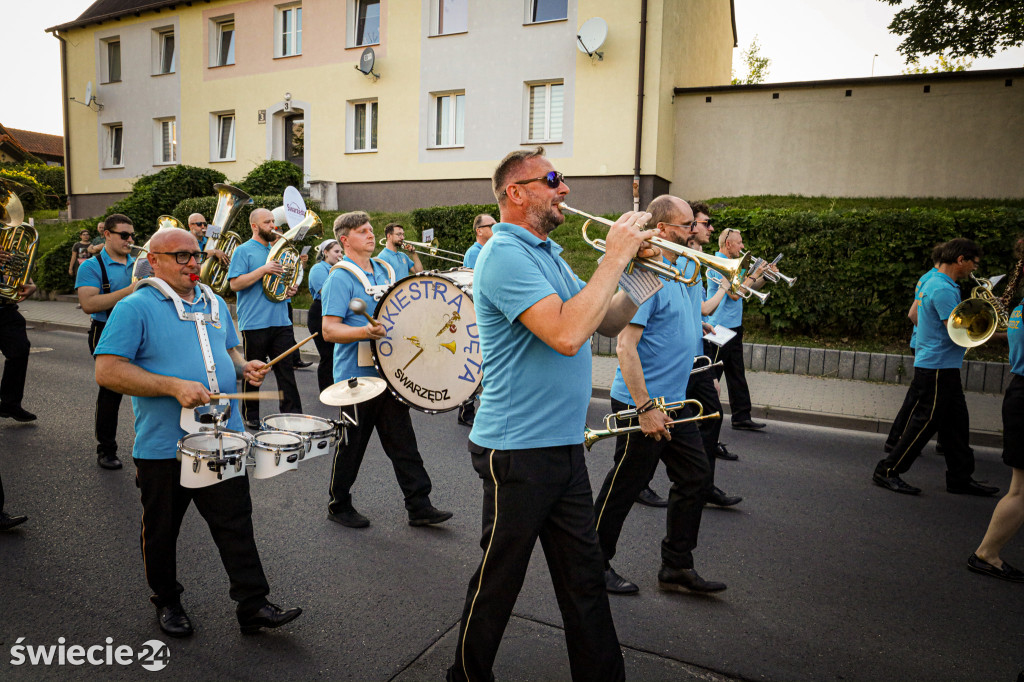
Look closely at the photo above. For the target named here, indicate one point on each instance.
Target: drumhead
(208, 445)
(302, 423)
(430, 357)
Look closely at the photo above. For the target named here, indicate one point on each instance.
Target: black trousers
(227, 509)
(1, 493)
(529, 494)
(636, 457)
(731, 355)
(108, 404)
(314, 323)
(899, 424)
(939, 407)
(701, 388)
(394, 429)
(15, 347)
(265, 344)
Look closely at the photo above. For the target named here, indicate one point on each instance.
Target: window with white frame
(288, 40)
(544, 112)
(111, 58)
(114, 146)
(449, 16)
(364, 22)
(166, 148)
(222, 41)
(364, 126)
(449, 119)
(164, 51)
(222, 137)
(546, 10)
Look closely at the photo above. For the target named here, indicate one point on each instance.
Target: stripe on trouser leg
(483, 565)
(931, 415)
(611, 485)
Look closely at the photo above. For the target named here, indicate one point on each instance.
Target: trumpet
(591, 436)
(769, 274)
(429, 249)
(704, 368)
(974, 321)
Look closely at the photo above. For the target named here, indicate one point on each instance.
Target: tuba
(230, 201)
(275, 287)
(18, 243)
(975, 320)
(142, 269)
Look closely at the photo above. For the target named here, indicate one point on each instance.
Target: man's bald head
(173, 239)
(258, 215)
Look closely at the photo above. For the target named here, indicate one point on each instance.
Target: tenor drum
(430, 357)
(276, 452)
(319, 435)
(207, 458)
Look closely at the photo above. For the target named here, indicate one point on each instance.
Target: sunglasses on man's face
(201, 224)
(123, 235)
(553, 178)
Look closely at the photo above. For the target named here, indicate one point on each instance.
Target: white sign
(294, 206)
(428, 235)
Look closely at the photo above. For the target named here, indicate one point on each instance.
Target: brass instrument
(18, 242)
(591, 436)
(429, 249)
(704, 368)
(142, 269)
(230, 201)
(275, 287)
(975, 320)
(769, 274)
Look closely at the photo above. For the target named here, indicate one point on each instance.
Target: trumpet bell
(12, 213)
(972, 323)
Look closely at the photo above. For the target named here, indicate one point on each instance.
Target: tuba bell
(975, 320)
(18, 242)
(275, 287)
(142, 269)
(230, 201)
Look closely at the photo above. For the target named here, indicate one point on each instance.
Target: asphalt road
(829, 576)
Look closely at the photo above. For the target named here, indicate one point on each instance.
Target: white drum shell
(276, 452)
(198, 453)
(319, 435)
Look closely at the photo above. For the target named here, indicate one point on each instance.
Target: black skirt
(1013, 423)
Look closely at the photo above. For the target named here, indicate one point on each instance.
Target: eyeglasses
(685, 226)
(183, 257)
(123, 235)
(553, 178)
(202, 223)
(705, 223)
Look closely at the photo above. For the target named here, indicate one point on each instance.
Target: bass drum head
(430, 357)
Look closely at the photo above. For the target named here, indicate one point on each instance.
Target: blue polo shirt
(144, 327)
(317, 276)
(696, 296)
(119, 276)
(532, 395)
(1015, 336)
(917, 297)
(255, 310)
(340, 288)
(398, 260)
(729, 313)
(935, 350)
(472, 253)
(202, 242)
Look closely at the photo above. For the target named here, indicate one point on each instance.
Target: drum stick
(255, 395)
(265, 368)
(358, 306)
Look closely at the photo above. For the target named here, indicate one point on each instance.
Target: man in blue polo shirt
(400, 256)
(265, 324)
(482, 228)
(535, 319)
(102, 282)
(155, 354)
(936, 391)
(197, 225)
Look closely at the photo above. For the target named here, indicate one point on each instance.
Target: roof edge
(152, 6)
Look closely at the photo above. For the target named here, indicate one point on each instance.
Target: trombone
(591, 436)
(429, 249)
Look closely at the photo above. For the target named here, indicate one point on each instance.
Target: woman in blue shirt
(329, 253)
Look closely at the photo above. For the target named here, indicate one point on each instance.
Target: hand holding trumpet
(627, 239)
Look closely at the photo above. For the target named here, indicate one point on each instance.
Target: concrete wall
(963, 137)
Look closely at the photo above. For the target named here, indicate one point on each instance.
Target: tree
(757, 66)
(957, 28)
(941, 65)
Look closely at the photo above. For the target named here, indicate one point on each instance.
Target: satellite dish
(366, 61)
(591, 37)
(88, 93)
(294, 206)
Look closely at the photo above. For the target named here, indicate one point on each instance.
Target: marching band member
(14, 345)
(404, 262)
(330, 253)
(102, 282)
(154, 353)
(482, 225)
(197, 225)
(535, 319)
(352, 278)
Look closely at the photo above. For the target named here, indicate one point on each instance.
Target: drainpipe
(67, 135)
(640, 105)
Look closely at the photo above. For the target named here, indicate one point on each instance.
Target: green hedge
(158, 194)
(271, 177)
(44, 188)
(453, 228)
(51, 268)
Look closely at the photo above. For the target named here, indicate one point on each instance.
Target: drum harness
(375, 290)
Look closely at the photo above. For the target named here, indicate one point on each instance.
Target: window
(222, 41)
(364, 126)
(450, 16)
(289, 31)
(367, 22)
(545, 112)
(224, 137)
(113, 60)
(166, 141)
(546, 10)
(449, 120)
(115, 144)
(164, 51)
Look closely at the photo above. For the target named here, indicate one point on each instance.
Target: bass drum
(431, 357)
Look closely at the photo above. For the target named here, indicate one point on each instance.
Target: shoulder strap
(103, 272)
(387, 266)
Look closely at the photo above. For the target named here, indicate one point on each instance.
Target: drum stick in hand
(266, 368)
(358, 306)
(261, 395)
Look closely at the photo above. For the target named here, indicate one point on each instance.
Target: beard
(544, 217)
(268, 235)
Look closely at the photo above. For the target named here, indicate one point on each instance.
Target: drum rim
(300, 444)
(331, 426)
(227, 452)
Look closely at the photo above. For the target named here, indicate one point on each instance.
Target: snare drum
(276, 452)
(431, 357)
(318, 434)
(207, 459)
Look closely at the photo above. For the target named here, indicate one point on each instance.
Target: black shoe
(939, 450)
(253, 424)
(349, 519)
(971, 487)
(686, 580)
(108, 461)
(303, 364)
(1004, 572)
(174, 621)
(616, 584)
(17, 414)
(719, 498)
(748, 425)
(650, 498)
(428, 516)
(722, 453)
(267, 616)
(894, 483)
(8, 522)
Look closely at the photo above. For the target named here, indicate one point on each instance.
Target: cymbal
(352, 391)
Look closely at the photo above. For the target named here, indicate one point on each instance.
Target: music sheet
(721, 335)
